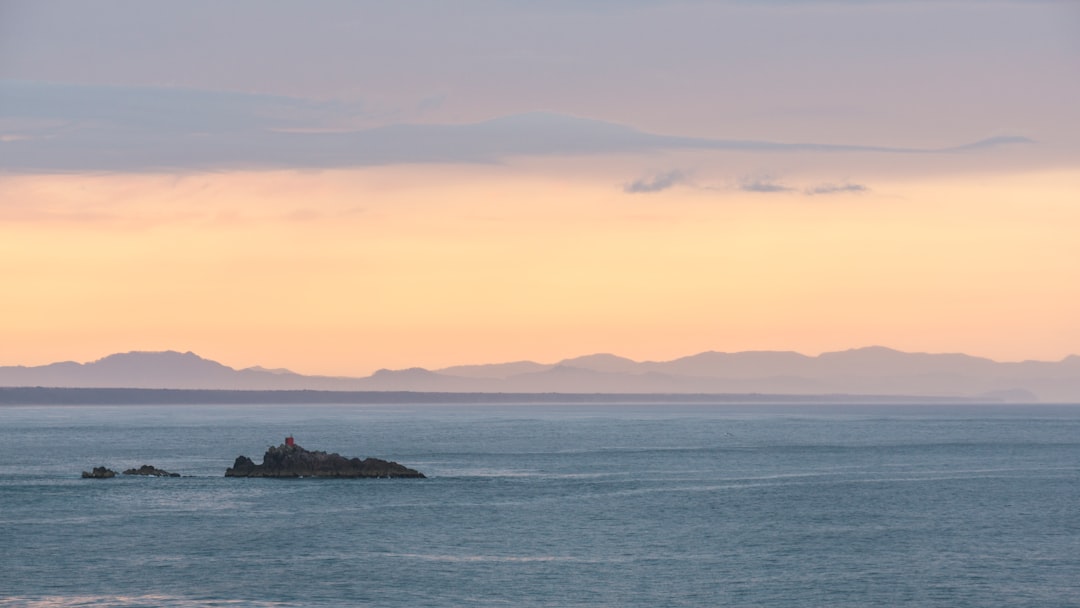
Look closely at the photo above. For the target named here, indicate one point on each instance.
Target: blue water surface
(553, 505)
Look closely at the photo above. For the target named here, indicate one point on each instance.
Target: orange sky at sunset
(538, 181)
(343, 272)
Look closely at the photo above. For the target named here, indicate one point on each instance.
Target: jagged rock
(294, 461)
(99, 473)
(148, 470)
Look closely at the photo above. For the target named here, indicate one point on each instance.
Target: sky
(336, 187)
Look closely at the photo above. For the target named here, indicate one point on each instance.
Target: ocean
(619, 505)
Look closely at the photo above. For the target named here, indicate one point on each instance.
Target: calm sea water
(548, 506)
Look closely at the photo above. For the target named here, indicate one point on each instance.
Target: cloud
(991, 142)
(656, 183)
(154, 111)
(769, 185)
(763, 184)
(835, 188)
(429, 104)
(81, 128)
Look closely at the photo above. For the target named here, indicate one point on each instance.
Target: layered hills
(866, 371)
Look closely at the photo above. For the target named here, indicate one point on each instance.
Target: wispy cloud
(991, 142)
(154, 111)
(655, 183)
(835, 188)
(73, 128)
(430, 103)
(768, 184)
(763, 184)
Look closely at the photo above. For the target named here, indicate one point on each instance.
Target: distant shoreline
(144, 396)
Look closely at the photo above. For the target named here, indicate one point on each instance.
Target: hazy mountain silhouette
(868, 371)
(494, 370)
(603, 362)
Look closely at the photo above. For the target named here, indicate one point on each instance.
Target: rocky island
(291, 460)
(145, 471)
(149, 471)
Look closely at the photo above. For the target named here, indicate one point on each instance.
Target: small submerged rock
(99, 473)
(149, 471)
(291, 460)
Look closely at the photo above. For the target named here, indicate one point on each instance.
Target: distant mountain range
(863, 371)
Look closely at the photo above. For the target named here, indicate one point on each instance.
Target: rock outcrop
(99, 473)
(150, 471)
(291, 460)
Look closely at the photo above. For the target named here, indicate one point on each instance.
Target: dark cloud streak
(764, 185)
(73, 128)
(835, 189)
(656, 183)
